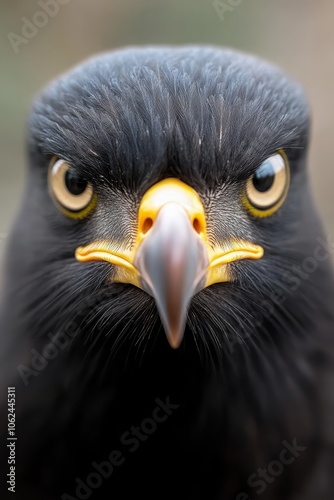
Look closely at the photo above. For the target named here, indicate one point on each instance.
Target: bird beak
(172, 258)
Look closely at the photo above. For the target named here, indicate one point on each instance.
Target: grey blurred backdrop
(296, 34)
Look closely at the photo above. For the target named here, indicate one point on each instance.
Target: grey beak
(172, 261)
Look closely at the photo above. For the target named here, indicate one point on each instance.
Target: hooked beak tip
(174, 337)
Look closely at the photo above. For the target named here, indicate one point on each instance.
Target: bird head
(171, 178)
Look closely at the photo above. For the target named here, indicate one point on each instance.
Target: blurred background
(42, 38)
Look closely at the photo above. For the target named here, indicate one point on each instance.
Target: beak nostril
(148, 223)
(197, 226)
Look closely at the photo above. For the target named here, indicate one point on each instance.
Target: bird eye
(73, 194)
(266, 190)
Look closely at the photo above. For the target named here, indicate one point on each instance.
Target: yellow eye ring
(266, 191)
(73, 195)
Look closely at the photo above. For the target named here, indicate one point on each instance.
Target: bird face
(171, 257)
(173, 172)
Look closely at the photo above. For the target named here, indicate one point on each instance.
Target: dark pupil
(264, 178)
(74, 183)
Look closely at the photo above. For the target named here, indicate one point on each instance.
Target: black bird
(167, 318)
